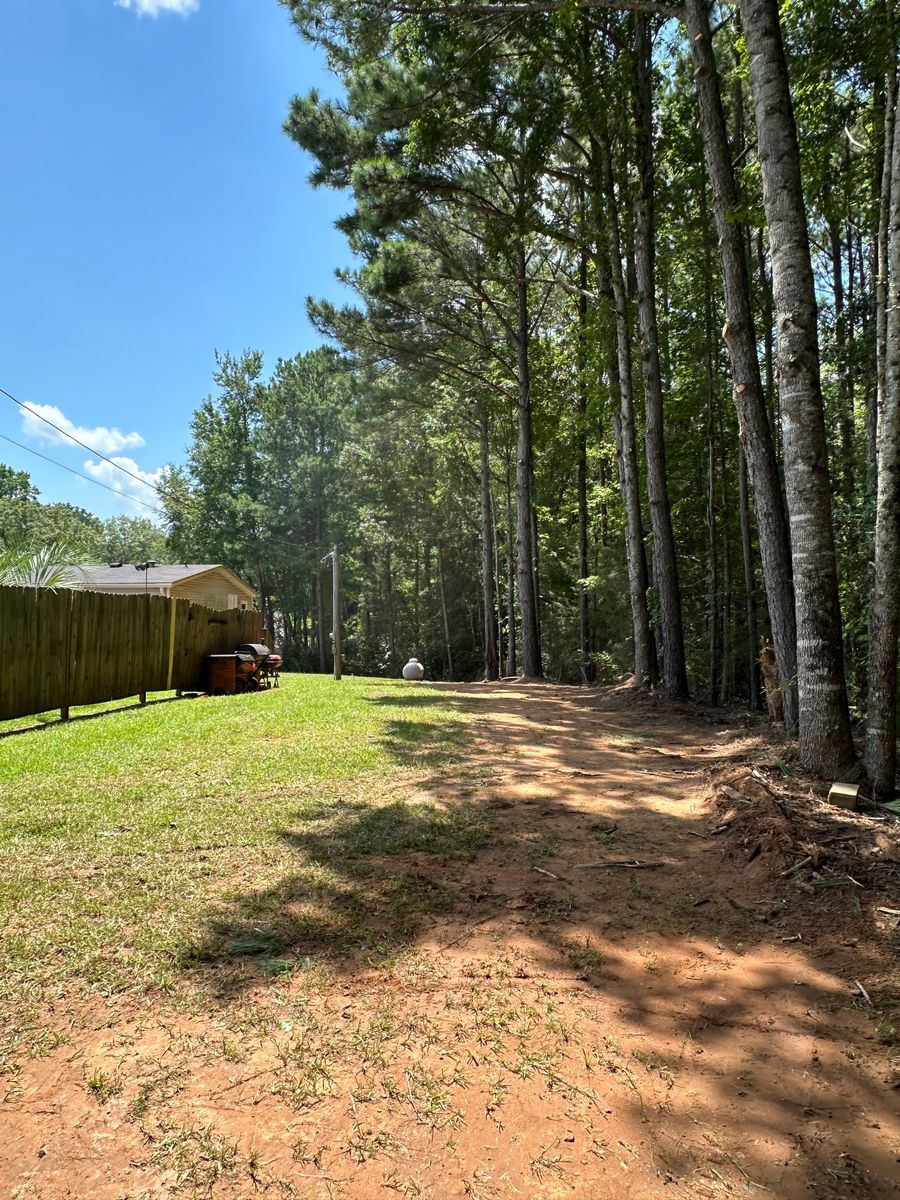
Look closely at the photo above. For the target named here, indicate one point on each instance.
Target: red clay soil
(688, 1023)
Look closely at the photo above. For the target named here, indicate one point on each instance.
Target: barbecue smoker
(251, 667)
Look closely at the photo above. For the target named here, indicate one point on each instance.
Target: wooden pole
(69, 650)
(143, 696)
(173, 613)
(336, 610)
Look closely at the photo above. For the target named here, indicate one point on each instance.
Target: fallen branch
(766, 786)
(631, 863)
(863, 992)
(797, 866)
(541, 871)
(763, 782)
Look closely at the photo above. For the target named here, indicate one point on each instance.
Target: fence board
(68, 647)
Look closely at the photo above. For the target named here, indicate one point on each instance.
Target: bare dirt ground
(553, 1026)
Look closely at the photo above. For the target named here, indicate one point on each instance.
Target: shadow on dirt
(573, 840)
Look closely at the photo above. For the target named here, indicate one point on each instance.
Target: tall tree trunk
(584, 615)
(712, 612)
(747, 388)
(510, 583)
(446, 619)
(726, 674)
(531, 645)
(498, 576)
(620, 375)
(773, 406)
(321, 634)
(491, 667)
(392, 634)
(665, 560)
(826, 746)
(882, 263)
(881, 726)
(749, 581)
(845, 385)
(712, 603)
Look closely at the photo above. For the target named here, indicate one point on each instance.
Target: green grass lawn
(138, 849)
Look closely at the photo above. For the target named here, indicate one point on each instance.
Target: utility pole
(335, 608)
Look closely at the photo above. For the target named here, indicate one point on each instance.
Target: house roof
(165, 575)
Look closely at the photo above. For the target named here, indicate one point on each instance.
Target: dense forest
(618, 392)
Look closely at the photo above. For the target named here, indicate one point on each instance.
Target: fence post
(173, 612)
(70, 658)
(143, 695)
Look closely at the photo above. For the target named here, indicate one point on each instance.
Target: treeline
(31, 528)
(620, 391)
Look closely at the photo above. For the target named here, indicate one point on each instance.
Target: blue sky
(152, 211)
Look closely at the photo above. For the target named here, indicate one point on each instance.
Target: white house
(203, 583)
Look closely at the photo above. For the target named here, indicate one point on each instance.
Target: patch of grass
(655, 1064)
(365, 1143)
(137, 845)
(103, 1087)
(541, 846)
(635, 740)
(198, 1157)
(583, 956)
(546, 1162)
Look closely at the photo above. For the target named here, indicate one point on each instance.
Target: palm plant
(22, 564)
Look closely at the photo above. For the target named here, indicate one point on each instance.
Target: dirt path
(556, 1027)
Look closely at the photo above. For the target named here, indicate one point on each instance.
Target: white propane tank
(413, 670)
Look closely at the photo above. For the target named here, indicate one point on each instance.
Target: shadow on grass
(410, 699)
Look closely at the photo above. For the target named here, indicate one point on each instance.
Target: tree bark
(740, 339)
(445, 618)
(531, 646)
(392, 635)
(665, 560)
(749, 581)
(498, 576)
(826, 746)
(881, 725)
(584, 616)
(491, 670)
(620, 375)
(882, 262)
(712, 611)
(510, 583)
(842, 364)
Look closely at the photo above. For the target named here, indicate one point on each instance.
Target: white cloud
(99, 438)
(142, 488)
(152, 8)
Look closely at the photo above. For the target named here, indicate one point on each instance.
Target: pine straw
(786, 821)
(836, 872)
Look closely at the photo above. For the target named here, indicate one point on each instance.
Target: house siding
(213, 589)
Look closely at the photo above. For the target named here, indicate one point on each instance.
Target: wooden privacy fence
(62, 648)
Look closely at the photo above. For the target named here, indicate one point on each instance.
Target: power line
(27, 408)
(71, 437)
(81, 475)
